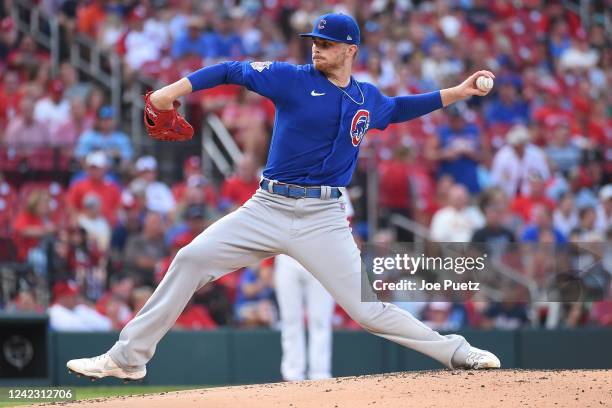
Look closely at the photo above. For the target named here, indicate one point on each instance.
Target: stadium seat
(49, 160)
(53, 188)
(41, 159)
(10, 160)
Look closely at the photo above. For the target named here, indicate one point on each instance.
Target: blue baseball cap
(106, 112)
(336, 27)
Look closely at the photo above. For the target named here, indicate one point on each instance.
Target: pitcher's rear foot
(103, 366)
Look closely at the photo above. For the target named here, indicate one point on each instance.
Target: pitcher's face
(328, 56)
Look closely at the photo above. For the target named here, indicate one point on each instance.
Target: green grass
(102, 392)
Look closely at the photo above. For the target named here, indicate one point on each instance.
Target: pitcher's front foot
(478, 359)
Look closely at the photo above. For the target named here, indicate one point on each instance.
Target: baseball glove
(166, 125)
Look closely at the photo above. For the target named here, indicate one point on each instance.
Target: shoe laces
(98, 358)
(474, 357)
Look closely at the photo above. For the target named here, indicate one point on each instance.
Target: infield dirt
(443, 388)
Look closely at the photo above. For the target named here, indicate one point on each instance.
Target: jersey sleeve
(270, 79)
(385, 106)
(273, 80)
(403, 108)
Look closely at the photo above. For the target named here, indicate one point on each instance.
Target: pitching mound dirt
(497, 388)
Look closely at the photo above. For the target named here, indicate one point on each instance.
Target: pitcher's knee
(201, 260)
(194, 259)
(187, 257)
(367, 317)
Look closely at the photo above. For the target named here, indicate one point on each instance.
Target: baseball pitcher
(322, 116)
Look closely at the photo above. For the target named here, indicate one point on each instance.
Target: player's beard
(328, 66)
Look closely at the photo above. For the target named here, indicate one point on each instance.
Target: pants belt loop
(325, 192)
(271, 186)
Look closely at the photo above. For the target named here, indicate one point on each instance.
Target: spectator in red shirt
(33, 223)
(395, 195)
(551, 111)
(94, 182)
(237, 189)
(395, 191)
(195, 317)
(194, 180)
(524, 204)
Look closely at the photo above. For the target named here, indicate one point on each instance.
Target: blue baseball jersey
(317, 128)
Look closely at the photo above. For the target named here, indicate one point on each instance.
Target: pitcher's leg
(331, 255)
(237, 240)
(289, 294)
(320, 306)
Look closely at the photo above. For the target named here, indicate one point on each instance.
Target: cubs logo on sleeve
(359, 126)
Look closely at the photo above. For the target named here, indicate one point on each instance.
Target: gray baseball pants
(314, 232)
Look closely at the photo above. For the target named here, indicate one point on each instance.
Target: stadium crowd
(84, 211)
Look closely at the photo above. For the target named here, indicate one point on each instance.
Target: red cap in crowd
(56, 87)
(64, 289)
(139, 13)
(193, 163)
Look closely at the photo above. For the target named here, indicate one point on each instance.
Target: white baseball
(484, 83)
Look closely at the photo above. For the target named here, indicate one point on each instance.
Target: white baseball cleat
(478, 359)
(104, 366)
